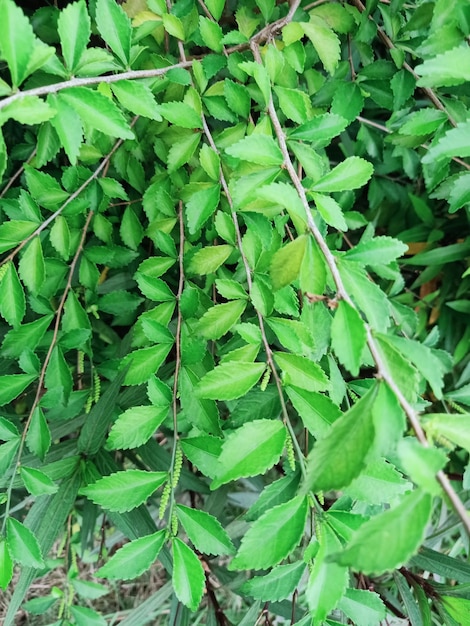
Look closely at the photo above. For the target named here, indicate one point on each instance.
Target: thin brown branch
(330, 259)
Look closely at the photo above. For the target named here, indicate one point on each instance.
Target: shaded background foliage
(234, 310)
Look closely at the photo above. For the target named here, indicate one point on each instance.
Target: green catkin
(457, 408)
(80, 362)
(290, 453)
(164, 499)
(89, 403)
(265, 381)
(3, 270)
(178, 466)
(174, 524)
(96, 386)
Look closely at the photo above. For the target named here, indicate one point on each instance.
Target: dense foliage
(234, 310)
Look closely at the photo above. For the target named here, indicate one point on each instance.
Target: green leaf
(208, 260)
(38, 437)
(83, 616)
(202, 204)
(58, 379)
(44, 188)
(455, 143)
(324, 40)
(287, 261)
(12, 385)
(379, 483)
(98, 111)
(399, 368)
(12, 300)
(389, 539)
(6, 563)
(423, 122)
(453, 427)
(422, 464)
(348, 336)
(363, 607)
(180, 114)
(68, 126)
(134, 558)
(273, 536)
(211, 34)
(32, 268)
(182, 151)
(377, 251)
(17, 40)
(317, 411)
(173, 25)
(137, 98)
(115, 28)
(29, 110)
(458, 608)
(23, 545)
(74, 30)
(8, 451)
(143, 363)
(13, 232)
(188, 575)
(250, 450)
(257, 148)
(220, 318)
(135, 426)
(352, 173)
(330, 211)
(202, 413)
(216, 7)
(327, 581)
(295, 104)
(441, 255)
(237, 97)
(59, 236)
(280, 583)
(301, 371)
(123, 491)
(313, 275)
(446, 69)
(203, 452)
(8, 430)
(229, 380)
(340, 456)
(205, 531)
(36, 482)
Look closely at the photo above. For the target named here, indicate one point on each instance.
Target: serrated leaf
(143, 363)
(211, 33)
(137, 98)
(423, 122)
(11, 233)
(257, 148)
(352, 173)
(202, 412)
(59, 236)
(348, 336)
(135, 426)
(31, 267)
(422, 464)
(229, 381)
(29, 110)
(134, 558)
(301, 371)
(38, 437)
(317, 411)
(286, 262)
(205, 531)
(377, 251)
(44, 188)
(250, 450)
(452, 67)
(208, 260)
(389, 539)
(12, 300)
(173, 25)
(74, 30)
(6, 564)
(216, 7)
(84, 616)
(339, 457)
(58, 378)
(12, 385)
(203, 452)
(324, 40)
(36, 482)
(453, 427)
(453, 144)
(180, 114)
(378, 483)
(278, 584)
(182, 151)
(123, 491)
(23, 545)
(17, 40)
(327, 581)
(273, 536)
(220, 318)
(330, 211)
(202, 205)
(188, 575)
(98, 111)
(115, 28)
(363, 607)
(295, 104)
